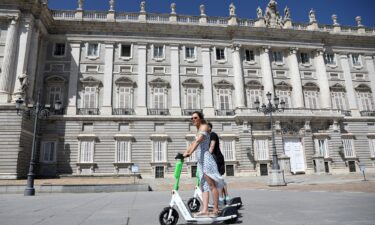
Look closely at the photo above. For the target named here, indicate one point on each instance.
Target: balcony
(346, 112)
(224, 112)
(88, 111)
(188, 112)
(367, 113)
(123, 111)
(162, 112)
(58, 112)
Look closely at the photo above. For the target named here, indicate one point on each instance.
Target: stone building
(128, 83)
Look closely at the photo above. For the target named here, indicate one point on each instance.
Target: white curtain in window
(48, 152)
(93, 50)
(252, 96)
(125, 97)
(90, 97)
(87, 152)
(323, 147)
(365, 101)
(159, 98)
(54, 95)
(228, 149)
(261, 149)
(311, 99)
(160, 151)
(338, 100)
(224, 97)
(192, 98)
(348, 147)
(123, 151)
(284, 96)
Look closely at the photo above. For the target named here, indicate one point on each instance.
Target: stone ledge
(84, 188)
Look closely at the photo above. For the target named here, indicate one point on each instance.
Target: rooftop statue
(259, 12)
(111, 5)
(286, 13)
(272, 15)
(312, 16)
(232, 9)
(173, 8)
(80, 4)
(202, 9)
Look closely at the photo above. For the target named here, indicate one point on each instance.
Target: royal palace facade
(128, 83)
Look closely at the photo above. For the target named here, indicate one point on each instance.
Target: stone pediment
(337, 87)
(125, 81)
(223, 84)
(192, 83)
(283, 86)
(254, 84)
(158, 82)
(363, 88)
(55, 79)
(90, 80)
(311, 86)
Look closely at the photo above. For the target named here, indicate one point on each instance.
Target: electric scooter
(170, 215)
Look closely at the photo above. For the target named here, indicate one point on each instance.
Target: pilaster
(175, 81)
(208, 109)
(20, 81)
(34, 52)
(108, 80)
(371, 71)
(321, 73)
(349, 84)
(141, 108)
(8, 61)
(73, 78)
(295, 79)
(238, 77)
(266, 69)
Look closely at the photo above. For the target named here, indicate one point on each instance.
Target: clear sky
(346, 10)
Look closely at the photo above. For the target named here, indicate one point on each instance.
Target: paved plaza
(307, 200)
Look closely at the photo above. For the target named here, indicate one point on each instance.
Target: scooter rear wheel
(163, 217)
(194, 204)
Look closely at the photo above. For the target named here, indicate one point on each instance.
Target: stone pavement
(346, 182)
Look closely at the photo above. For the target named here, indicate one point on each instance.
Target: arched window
(311, 95)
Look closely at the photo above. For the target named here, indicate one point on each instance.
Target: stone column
(295, 79)
(175, 81)
(371, 72)
(21, 77)
(321, 73)
(208, 109)
(108, 80)
(344, 59)
(73, 77)
(238, 77)
(141, 108)
(34, 53)
(266, 69)
(8, 61)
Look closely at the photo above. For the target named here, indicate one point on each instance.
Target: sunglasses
(194, 118)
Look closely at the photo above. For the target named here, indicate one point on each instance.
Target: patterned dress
(207, 164)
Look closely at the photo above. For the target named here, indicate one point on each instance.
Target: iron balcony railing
(224, 112)
(163, 112)
(188, 112)
(367, 113)
(123, 111)
(88, 111)
(346, 112)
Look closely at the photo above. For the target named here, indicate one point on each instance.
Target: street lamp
(39, 112)
(277, 178)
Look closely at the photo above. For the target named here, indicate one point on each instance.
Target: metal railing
(151, 17)
(367, 113)
(224, 112)
(88, 111)
(188, 112)
(346, 112)
(127, 16)
(63, 14)
(188, 19)
(94, 15)
(162, 112)
(123, 111)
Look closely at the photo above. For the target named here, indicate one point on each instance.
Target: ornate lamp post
(39, 112)
(277, 178)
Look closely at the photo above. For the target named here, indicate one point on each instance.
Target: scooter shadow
(219, 222)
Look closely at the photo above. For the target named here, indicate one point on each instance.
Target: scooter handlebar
(179, 156)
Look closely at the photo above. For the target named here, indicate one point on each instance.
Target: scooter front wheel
(194, 204)
(163, 217)
(230, 211)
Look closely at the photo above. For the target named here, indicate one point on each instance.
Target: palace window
(54, 95)
(90, 97)
(59, 49)
(348, 145)
(158, 52)
(277, 57)
(123, 151)
(249, 55)
(220, 54)
(92, 50)
(254, 95)
(338, 100)
(372, 146)
(190, 53)
(193, 157)
(330, 58)
(356, 60)
(284, 95)
(228, 147)
(125, 98)
(159, 98)
(365, 101)
(48, 153)
(224, 99)
(86, 154)
(192, 98)
(322, 147)
(125, 51)
(305, 58)
(261, 149)
(159, 149)
(311, 99)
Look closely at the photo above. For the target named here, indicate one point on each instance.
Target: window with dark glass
(305, 59)
(125, 50)
(59, 49)
(249, 55)
(220, 54)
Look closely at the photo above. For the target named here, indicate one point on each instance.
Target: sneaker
(227, 198)
(221, 201)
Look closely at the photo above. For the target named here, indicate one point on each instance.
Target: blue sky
(346, 10)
